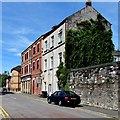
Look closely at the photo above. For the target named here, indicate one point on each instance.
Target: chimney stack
(88, 3)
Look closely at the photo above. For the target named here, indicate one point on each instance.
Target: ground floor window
(49, 88)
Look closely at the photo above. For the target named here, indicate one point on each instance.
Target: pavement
(91, 109)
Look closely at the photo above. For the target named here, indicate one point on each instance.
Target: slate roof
(17, 68)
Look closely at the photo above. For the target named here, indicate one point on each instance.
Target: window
(38, 47)
(26, 69)
(22, 58)
(34, 50)
(45, 85)
(27, 55)
(45, 64)
(49, 88)
(60, 36)
(37, 64)
(30, 53)
(60, 57)
(33, 65)
(29, 67)
(51, 62)
(22, 71)
(46, 46)
(52, 41)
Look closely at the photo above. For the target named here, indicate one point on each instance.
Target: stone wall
(97, 85)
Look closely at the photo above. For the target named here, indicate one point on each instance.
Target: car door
(61, 96)
(54, 96)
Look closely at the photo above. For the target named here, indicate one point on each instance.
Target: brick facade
(31, 68)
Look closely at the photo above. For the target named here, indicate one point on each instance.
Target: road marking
(4, 113)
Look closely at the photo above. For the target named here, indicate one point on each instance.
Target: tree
(90, 44)
(3, 78)
(62, 75)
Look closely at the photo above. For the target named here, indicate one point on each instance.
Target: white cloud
(13, 50)
(17, 30)
(23, 41)
(23, 30)
(19, 42)
(18, 54)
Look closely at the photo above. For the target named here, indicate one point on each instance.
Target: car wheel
(49, 101)
(60, 103)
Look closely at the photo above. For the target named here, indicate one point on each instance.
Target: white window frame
(51, 60)
(60, 57)
(52, 41)
(60, 35)
(45, 64)
(46, 45)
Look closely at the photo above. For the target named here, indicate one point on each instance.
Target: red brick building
(36, 66)
(31, 68)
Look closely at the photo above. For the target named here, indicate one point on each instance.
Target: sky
(24, 22)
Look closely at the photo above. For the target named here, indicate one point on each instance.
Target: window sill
(51, 47)
(60, 42)
(45, 51)
(45, 70)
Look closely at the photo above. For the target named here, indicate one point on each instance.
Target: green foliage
(3, 78)
(62, 75)
(90, 44)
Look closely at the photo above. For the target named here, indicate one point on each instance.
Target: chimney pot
(88, 3)
(54, 27)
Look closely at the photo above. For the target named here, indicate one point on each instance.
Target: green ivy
(90, 44)
(62, 75)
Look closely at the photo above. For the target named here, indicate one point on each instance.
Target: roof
(32, 44)
(116, 53)
(57, 26)
(17, 68)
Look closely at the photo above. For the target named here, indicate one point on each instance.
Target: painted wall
(15, 81)
(49, 73)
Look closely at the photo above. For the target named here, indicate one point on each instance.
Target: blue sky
(24, 22)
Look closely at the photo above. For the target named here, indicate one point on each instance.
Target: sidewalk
(105, 112)
(97, 110)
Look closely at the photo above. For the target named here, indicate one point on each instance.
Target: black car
(64, 97)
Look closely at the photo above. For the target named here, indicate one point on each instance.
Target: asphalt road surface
(24, 106)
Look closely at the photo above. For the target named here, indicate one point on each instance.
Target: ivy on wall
(90, 44)
(62, 75)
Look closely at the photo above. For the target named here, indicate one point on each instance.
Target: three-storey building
(31, 68)
(54, 44)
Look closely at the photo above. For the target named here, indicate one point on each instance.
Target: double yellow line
(4, 113)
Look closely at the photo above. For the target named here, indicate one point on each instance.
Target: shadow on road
(4, 93)
(74, 106)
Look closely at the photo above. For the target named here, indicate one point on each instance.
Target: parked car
(64, 97)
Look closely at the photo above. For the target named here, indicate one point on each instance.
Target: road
(24, 106)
